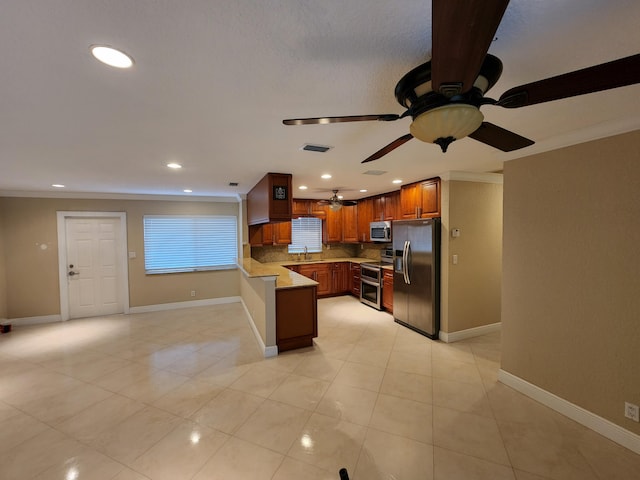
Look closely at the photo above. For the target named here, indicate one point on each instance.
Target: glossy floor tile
(187, 395)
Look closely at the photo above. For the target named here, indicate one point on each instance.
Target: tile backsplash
(278, 253)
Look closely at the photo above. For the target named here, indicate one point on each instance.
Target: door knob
(72, 273)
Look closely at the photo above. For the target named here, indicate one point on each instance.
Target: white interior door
(94, 275)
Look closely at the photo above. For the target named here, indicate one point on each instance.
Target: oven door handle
(368, 282)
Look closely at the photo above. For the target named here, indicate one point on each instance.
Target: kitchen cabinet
(307, 208)
(333, 226)
(339, 278)
(270, 200)
(387, 290)
(378, 208)
(354, 279)
(320, 273)
(350, 224)
(296, 317)
(392, 206)
(282, 233)
(420, 199)
(270, 234)
(365, 217)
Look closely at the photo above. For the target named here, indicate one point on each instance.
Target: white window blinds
(189, 242)
(306, 232)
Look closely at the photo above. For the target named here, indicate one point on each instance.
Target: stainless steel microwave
(380, 231)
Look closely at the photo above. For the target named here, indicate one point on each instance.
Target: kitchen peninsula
(281, 303)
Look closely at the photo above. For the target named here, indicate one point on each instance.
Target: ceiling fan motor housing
(442, 117)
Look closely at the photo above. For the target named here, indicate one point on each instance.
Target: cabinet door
(319, 273)
(365, 216)
(378, 208)
(318, 211)
(260, 235)
(409, 200)
(324, 279)
(430, 199)
(282, 233)
(350, 224)
(392, 206)
(333, 226)
(301, 208)
(387, 291)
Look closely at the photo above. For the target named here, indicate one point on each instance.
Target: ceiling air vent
(310, 147)
(374, 172)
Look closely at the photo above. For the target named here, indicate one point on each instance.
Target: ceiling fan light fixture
(455, 121)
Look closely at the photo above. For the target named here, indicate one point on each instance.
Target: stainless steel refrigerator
(416, 274)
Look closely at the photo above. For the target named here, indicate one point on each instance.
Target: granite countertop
(286, 278)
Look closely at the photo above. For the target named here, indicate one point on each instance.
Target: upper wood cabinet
(365, 217)
(270, 234)
(308, 208)
(270, 199)
(282, 233)
(392, 206)
(350, 223)
(333, 226)
(420, 199)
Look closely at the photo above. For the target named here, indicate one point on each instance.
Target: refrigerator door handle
(408, 263)
(405, 262)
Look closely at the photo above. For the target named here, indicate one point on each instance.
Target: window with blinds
(189, 243)
(306, 232)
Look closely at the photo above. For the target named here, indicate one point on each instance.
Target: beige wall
(29, 223)
(471, 290)
(3, 276)
(571, 276)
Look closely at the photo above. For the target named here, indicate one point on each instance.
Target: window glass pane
(306, 231)
(188, 243)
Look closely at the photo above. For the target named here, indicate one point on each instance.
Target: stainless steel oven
(371, 285)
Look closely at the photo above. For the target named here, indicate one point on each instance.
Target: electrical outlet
(631, 411)
(193, 293)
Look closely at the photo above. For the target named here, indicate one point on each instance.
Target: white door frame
(62, 256)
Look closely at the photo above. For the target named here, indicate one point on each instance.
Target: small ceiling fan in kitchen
(443, 96)
(335, 202)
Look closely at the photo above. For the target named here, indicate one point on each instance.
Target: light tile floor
(186, 394)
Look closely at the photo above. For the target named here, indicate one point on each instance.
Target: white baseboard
(469, 333)
(34, 320)
(584, 417)
(271, 351)
(192, 303)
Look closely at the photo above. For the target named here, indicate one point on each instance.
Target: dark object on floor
(343, 474)
(5, 328)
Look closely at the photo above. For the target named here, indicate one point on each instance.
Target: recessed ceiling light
(302, 187)
(110, 56)
(186, 190)
(397, 180)
(363, 190)
(326, 176)
(175, 166)
(57, 185)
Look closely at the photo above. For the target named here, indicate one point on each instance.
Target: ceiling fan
(443, 96)
(336, 203)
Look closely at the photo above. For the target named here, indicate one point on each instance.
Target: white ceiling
(213, 80)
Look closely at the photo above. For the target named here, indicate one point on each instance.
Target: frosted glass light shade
(455, 120)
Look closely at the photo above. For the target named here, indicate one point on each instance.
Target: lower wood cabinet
(354, 279)
(296, 317)
(387, 290)
(339, 278)
(320, 273)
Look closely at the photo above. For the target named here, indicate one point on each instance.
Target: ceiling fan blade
(500, 138)
(348, 203)
(392, 146)
(618, 73)
(323, 202)
(351, 118)
(461, 35)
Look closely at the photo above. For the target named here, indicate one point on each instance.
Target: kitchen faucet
(306, 254)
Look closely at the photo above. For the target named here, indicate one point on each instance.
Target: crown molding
(236, 198)
(472, 177)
